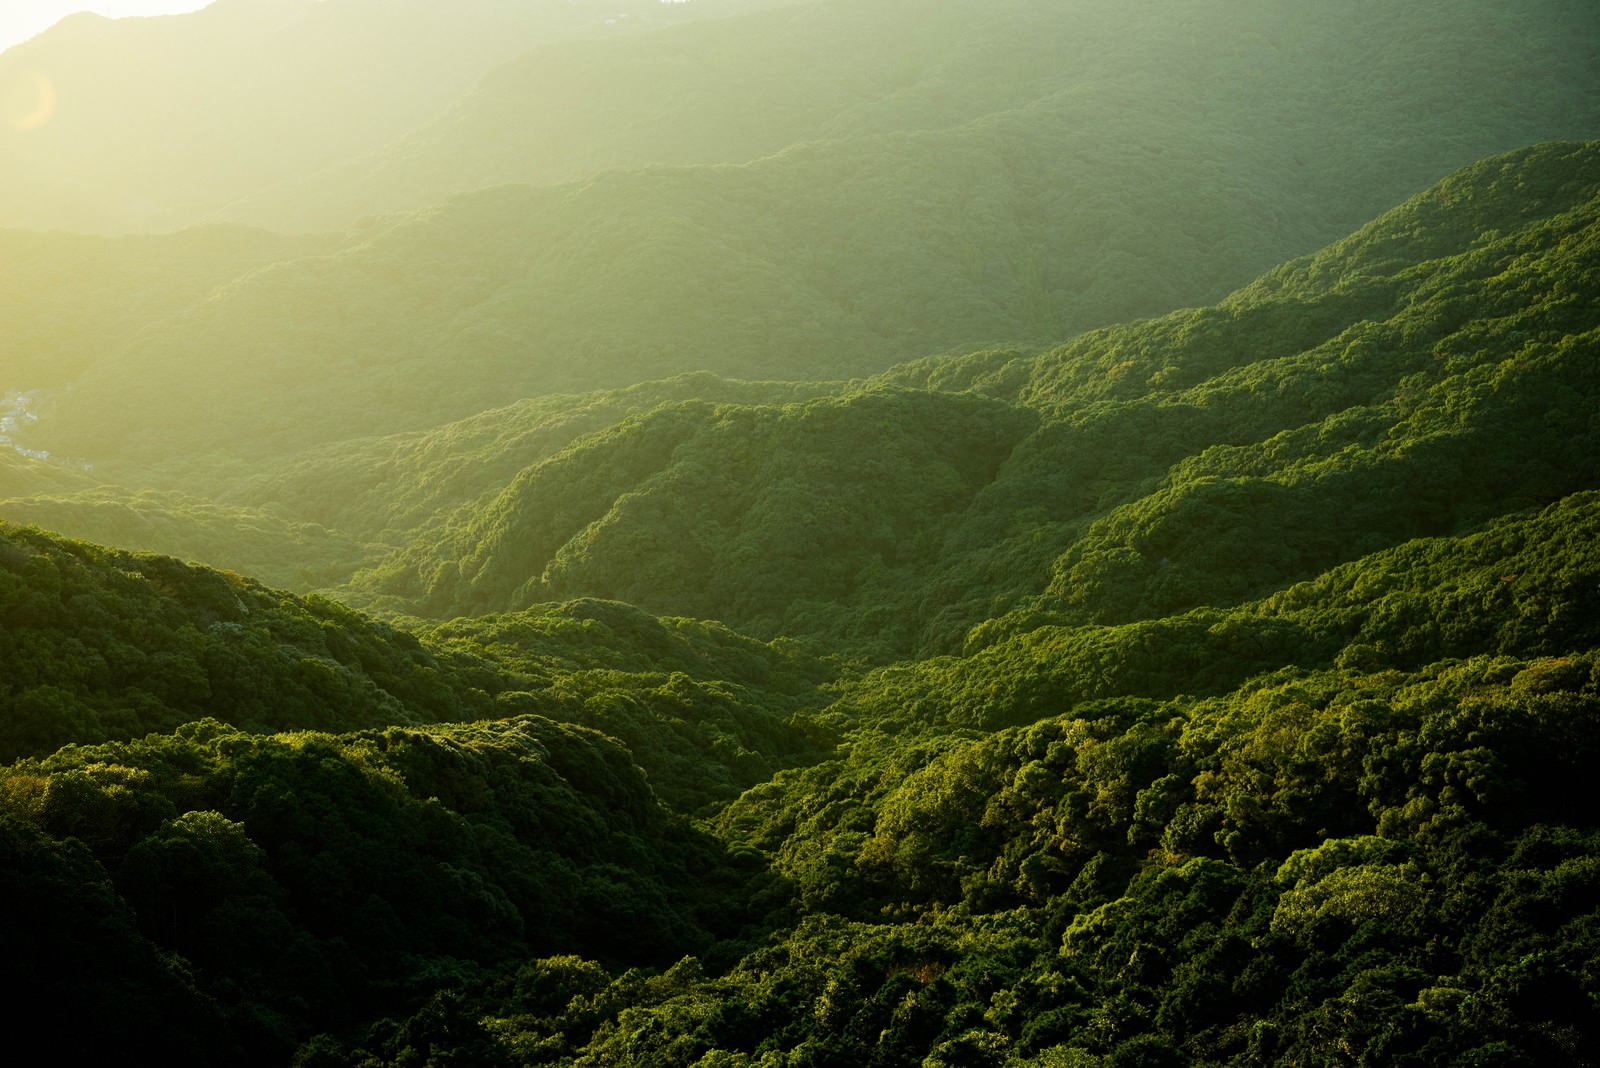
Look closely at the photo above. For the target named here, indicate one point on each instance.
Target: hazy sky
(21, 19)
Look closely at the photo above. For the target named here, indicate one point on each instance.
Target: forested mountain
(784, 534)
(1217, 688)
(1326, 96)
(1427, 373)
(1044, 167)
(102, 644)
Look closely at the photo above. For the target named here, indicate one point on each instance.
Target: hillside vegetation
(1426, 374)
(1213, 689)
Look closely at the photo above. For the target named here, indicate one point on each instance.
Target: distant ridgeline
(1216, 689)
(800, 191)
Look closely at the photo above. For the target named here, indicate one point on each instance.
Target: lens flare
(27, 100)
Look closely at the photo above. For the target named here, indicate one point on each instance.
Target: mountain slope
(285, 553)
(274, 884)
(1421, 377)
(106, 645)
(1272, 744)
(741, 88)
(387, 487)
(1029, 217)
(102, 644)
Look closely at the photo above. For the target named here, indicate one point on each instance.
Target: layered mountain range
(972, 174)
(804, 534)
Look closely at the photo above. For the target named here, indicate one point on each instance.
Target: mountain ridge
(1070, 208)
(1370, 354)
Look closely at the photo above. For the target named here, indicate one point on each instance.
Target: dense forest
(873, 534)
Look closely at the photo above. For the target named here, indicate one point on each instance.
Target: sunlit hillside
(802, 534)
(978, 174)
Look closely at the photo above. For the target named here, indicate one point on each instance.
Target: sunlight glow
(27, 100)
